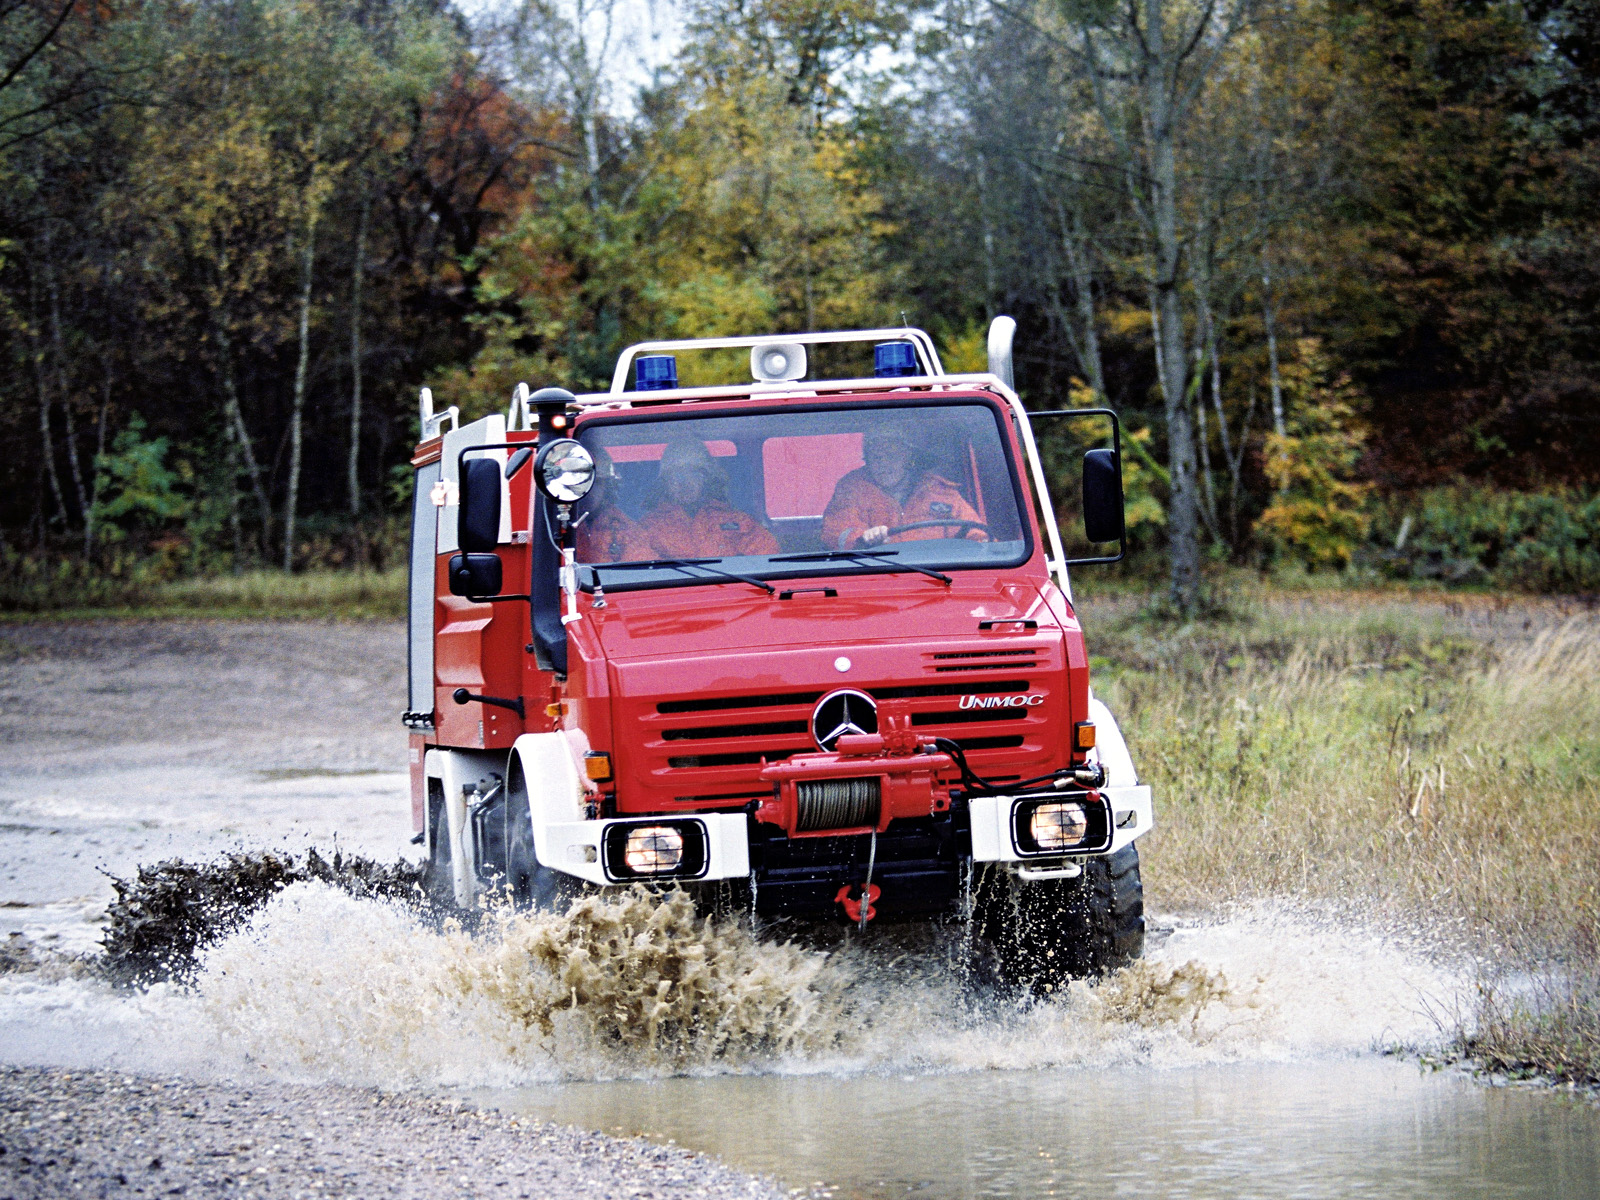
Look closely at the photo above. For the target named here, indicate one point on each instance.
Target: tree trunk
(89, 529)
(1269, 318)
(297, 414)
(46, 440)
(990, 286)
(235, 418)
(58, 353)
(1183, 511)
(355, 356)
(1084, 336)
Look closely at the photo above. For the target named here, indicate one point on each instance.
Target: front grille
(837, 803)
(707, 751)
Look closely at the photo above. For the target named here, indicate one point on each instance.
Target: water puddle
(1239, 1058)
(1336, 1128)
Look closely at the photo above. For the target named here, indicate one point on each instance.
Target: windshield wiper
(680, 564)
(863, 555)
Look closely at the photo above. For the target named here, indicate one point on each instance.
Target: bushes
(1523, 541)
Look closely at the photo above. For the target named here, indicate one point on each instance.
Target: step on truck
(804, 640)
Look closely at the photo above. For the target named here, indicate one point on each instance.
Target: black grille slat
(1028, 652)
(837, 803)
(708, 732)
(981, 667)
(744, 759)
(969, 716)
(918, 691)
(716, 703)
(988, 743)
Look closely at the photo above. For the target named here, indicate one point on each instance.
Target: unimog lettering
(1002, 701)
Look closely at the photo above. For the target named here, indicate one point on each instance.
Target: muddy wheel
(531, 883)
(1047, 932)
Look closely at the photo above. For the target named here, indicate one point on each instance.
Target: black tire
(1047, 932)
(531, 883)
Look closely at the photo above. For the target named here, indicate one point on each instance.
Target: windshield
(774, 493)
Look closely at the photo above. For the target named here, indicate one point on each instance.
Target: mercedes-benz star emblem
(842, 712)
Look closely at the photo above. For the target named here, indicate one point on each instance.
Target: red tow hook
(852, 906)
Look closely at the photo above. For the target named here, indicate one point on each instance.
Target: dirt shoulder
(103, 1134)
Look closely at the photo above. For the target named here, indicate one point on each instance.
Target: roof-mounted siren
(778, 362)
(655, 373)
(1001, 331)
(894, 360)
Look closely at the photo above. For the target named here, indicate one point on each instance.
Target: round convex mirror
(564, 471)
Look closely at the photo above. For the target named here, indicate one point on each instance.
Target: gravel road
(130, 742)
(99, 1134)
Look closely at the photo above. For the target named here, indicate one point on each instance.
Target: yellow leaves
(1128, 322)
(1317, 514)
(967, 352)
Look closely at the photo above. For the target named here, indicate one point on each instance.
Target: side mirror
(478, 525)
(1102, 496)
(475, 574)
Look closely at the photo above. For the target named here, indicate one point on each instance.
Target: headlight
(1056, 828)
(653, 850)
(564, 471)
(660, 849)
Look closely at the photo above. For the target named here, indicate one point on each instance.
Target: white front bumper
(993, 841)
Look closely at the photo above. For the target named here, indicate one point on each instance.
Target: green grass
(1432, 764)
(260, 595)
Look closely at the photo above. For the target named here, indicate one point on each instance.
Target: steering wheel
(952, 522)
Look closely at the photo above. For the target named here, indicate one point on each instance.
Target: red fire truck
(805, 640)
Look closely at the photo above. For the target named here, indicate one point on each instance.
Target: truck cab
(808, 639)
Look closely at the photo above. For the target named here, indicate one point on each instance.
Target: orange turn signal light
(597, 764)
(558, 709)
(1083, 735)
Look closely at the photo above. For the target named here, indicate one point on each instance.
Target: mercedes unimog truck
(807, 640)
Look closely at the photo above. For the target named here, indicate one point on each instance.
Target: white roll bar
(926, 353)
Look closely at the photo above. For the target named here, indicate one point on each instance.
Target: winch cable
(866, 888)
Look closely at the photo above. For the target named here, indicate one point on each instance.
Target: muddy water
(1242, 1057)
(1338, 1128)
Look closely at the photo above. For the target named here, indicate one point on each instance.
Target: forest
(1334, 261)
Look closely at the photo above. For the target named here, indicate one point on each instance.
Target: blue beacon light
(894, 359)
(655, 373)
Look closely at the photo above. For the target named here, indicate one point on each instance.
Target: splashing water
(323, 985)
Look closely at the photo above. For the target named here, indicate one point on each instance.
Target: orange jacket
(858, 504)
(714, 530)
(611, 535)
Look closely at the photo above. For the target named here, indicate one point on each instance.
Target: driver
(692, 518)
(605, 532)
(889, 491)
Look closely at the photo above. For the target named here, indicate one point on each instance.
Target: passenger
(692, 518)
(890, 490)
(605, 532)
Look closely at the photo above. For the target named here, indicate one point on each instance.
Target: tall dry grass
(1417, 768)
